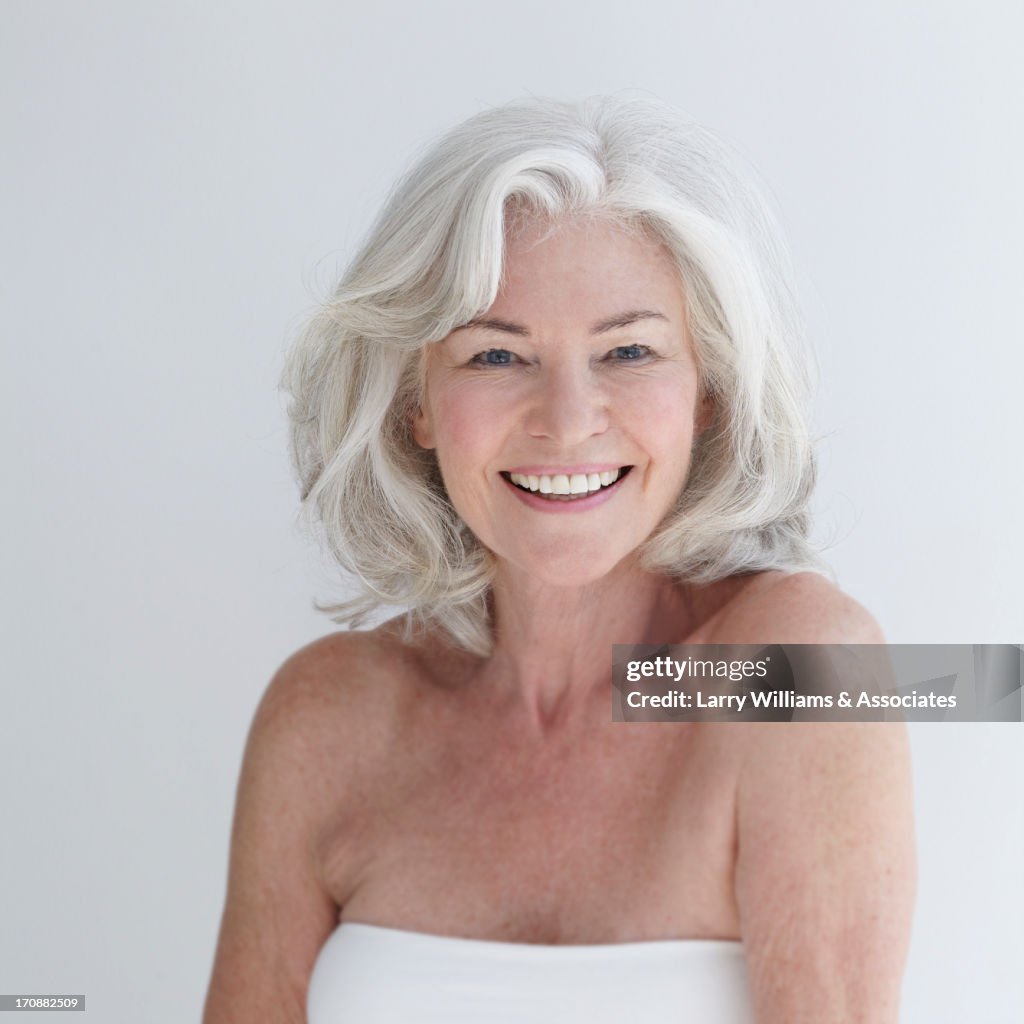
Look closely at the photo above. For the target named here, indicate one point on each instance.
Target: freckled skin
(411, 784)
(564, 396)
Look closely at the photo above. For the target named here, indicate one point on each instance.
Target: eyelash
(480, 359)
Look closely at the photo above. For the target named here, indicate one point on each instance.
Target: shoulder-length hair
(433, 261)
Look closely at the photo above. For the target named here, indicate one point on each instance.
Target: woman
(555, 404)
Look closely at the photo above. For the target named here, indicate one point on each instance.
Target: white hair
(433, 261)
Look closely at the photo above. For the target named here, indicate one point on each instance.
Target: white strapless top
(368, 974)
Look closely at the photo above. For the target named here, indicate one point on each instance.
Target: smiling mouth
(562, 487)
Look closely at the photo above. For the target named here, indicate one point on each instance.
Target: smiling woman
(556, 403)
(436, 272)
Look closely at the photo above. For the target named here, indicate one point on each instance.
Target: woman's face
(581, 377)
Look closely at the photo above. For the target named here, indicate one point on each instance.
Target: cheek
(469, 429)
(662, 415)
(461, 421)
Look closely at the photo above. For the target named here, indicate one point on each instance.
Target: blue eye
(630, 353)
(493, 357)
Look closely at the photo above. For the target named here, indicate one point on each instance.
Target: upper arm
(825, 877)
(277, 912)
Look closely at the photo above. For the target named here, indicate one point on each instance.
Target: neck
(553, 645)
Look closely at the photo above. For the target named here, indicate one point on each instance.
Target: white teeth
(563, 484)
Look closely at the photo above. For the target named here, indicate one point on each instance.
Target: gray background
(181, 180)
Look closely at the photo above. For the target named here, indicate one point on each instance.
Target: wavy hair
(433, 261)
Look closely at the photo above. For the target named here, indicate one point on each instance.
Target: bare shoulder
(355, 651)
(308, 753)
(343, 670)
(317, 718)
(795, 608)
(342, 699)
(327, 716)
(825, 866)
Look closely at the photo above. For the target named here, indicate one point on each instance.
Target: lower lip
(565, 507)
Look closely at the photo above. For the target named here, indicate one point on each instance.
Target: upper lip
(585, 468)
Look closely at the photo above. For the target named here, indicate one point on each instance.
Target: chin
(569, 568)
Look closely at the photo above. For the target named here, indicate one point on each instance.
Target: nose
(567, 406)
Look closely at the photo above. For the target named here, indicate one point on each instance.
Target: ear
(422, 429)
(704, 415)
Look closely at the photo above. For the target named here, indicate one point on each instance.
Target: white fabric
(367, 974)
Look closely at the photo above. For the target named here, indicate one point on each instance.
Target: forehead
(586, 267)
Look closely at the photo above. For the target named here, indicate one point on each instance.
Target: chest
(626, 834)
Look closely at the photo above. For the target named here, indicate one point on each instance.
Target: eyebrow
(611, 323)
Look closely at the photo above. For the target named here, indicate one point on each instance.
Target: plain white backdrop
(182, 180)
